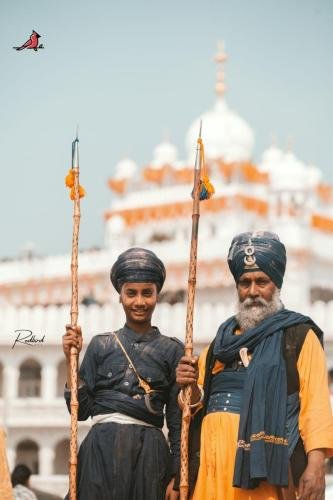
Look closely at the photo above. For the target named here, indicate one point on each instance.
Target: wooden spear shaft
(74, 316)
(186, 416)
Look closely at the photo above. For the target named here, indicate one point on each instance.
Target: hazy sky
(129, 70)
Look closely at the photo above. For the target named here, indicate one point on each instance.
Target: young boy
(125, 381)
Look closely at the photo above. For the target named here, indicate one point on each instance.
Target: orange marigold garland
(82, 193)
(69, 181)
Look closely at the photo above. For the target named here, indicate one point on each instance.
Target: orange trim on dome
(253, 204)
(118, 185)
(249, 171)
(325, 192)
(155, 175)
(140, 215)
(227, 169)
(252, 174)
(214, 204)
(183, 175)
(322, 223)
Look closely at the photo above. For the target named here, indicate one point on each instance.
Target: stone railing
(97, 319)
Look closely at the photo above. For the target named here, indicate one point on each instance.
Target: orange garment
(219, 430)
(315, 419)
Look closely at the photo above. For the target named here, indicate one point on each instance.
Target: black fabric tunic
(128, 461)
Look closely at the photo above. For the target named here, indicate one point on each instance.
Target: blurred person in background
(20, 481)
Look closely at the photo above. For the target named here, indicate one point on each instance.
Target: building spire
(220, 59)
(290, 144)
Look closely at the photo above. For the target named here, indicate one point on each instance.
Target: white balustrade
(95, 319)
(10, 381)
(46, 458)
(49, 381)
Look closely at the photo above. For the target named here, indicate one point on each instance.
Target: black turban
(137, 265)
(258, 250)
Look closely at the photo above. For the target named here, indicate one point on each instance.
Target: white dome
(270, 159)
(289, 174)
(126, 169)
(165, 153)
(116, 225)
(225, 135)
(314, 175)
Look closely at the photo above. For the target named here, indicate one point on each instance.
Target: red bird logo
(32, 43)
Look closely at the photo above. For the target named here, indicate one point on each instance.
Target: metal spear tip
(200, 129)
(75, 150)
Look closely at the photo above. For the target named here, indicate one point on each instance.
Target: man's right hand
(72, 338)
(187, 371)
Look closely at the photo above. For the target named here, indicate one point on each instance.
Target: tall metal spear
(186, 417)
(72, 180)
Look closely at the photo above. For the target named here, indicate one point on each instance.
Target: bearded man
(264, 425)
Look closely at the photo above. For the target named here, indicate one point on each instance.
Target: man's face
(258, 298)
(139, 301)
(255, 286)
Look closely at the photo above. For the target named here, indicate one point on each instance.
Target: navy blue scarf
(262, 450)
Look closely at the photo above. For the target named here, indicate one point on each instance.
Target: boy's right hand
(72, 338)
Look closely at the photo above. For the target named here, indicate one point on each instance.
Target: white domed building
(151, 206)
(226, 135)
(164, 154)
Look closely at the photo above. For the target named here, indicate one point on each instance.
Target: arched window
(61, 457)
(30, 379)
(159, 236)
(61, 378)
(27, 454)
(172, 297)
(1, 380)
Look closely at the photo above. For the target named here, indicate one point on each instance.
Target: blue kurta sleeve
(87, 373)
(172, 411)
(85, 402)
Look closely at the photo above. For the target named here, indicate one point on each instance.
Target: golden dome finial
(290, 144)
(274, 140)
(220, 59)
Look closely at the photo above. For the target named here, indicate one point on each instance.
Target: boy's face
(139, 301)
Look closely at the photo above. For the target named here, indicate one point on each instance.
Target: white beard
(249, 315)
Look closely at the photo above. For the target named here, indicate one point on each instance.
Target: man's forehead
(253, 275)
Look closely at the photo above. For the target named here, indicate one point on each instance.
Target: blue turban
(258, 250)
(137, 265)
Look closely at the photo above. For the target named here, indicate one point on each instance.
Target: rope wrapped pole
(186, 417)
(6, 490)
(75, 195)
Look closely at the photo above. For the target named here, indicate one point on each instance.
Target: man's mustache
(259, 301)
